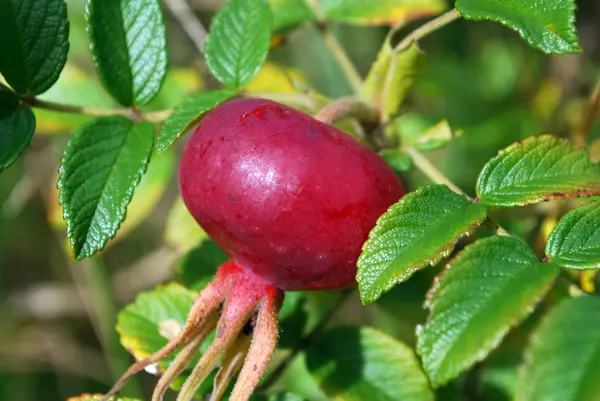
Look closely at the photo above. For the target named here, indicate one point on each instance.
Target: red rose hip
(291, 200)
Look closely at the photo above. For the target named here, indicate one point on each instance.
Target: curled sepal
(243, 309)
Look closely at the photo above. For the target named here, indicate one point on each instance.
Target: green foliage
(561, 363)
(238, 42)
(129, 46)
(575, 241)
(352, 363)
(383, 12)
(35, 43)
(288, 14)
(535, 170)
(398, 160)
(17, 125)
(547, 25)
(101, 166)
(188, 113)
(197, 268)
(491, 286)
(420, 229)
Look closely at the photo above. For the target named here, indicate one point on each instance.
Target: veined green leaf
(488, 288)
(420, 229)
(361, 363)
(238, 42)
(561, 363)
(101, 166)
(538, 169)
(187, 114)
(129, 46)
(381, 12)
(575, 241)
(547, 25)
(35, 43)
(17, 125)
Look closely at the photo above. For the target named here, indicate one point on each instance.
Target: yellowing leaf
(391, 76)
(182, 231)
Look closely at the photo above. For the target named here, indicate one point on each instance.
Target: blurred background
(57, 317)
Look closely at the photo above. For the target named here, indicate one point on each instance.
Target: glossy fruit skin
(286, 196)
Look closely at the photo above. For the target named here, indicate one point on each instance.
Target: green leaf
(381, 12)
(535, 170)
(399, 161)
(17, 125)
(35, 43)
(182, 231)
(98, 397)
(288, 14)
(146, 325)
(575, 241)
(420, 229)
(561, 363)
(434, 137)
(488, 288)
(391, 76)
(187, 114)
(547, 25)
(198, 267)
(361, 363)
(238, 42)
(129, 46)
(101, 166)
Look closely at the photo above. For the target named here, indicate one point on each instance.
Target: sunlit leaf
(381, 12)
(187, 114)
(547, 25)
(35, 43)
(129, 46)
(361, 363)
(101, 166)
(155, 317)
(398, 160)
(489, 287)
(417, 231)
(535, 170)
(238, 42)
(575, 241)
(561, 363)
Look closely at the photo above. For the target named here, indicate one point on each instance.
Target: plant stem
(435, 175)
(340, 55)
(347, 107)
(155, 116)
(188, 21)
(430, 171)
(428, 28)
(305, 341)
